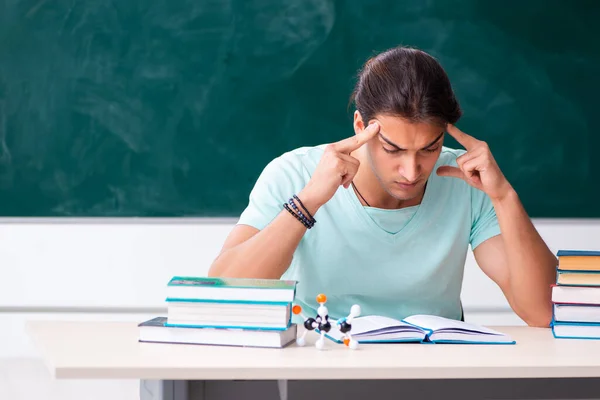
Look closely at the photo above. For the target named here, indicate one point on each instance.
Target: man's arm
(520, 262)
(263, 242)
(267, 253)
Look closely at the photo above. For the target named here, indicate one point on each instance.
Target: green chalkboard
(173, 107)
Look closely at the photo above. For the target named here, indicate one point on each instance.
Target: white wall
(118, 269)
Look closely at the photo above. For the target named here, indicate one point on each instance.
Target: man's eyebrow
(434, 142)
(388, 141)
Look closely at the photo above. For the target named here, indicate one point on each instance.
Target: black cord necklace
(361, 196)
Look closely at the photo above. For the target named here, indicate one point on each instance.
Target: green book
(243, 290)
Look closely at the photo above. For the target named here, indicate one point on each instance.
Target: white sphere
(353, 344)
(355, 310)
(320, 344)
(300, 341)
(322, 311)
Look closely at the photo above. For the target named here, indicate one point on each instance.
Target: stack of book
(576, 295)
(225, 311)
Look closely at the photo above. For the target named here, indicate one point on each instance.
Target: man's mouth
(405, 185)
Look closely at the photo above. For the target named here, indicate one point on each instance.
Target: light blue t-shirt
(390, 262)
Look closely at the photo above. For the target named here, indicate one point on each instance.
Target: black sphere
(345, 327)
(308, 324)
(325, 327)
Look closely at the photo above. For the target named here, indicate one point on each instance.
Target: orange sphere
(321, 298)
(296, 309)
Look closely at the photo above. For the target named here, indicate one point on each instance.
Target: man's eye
(433, 150)
(391, 151)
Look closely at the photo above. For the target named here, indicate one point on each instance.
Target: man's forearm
(531, 264)
(268, 253)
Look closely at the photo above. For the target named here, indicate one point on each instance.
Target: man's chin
(404, 194)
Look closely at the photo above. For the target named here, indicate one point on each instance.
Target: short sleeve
(280, 179)
(484, 223)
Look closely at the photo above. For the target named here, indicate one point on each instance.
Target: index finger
(461, 137)
(352, 143)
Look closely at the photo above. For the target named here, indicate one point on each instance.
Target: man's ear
(359, 125)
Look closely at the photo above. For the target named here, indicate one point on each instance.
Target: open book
(419, 328)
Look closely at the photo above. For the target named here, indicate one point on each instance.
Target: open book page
(378, 324)
(436, 323)
(445, 329)
(374, 328)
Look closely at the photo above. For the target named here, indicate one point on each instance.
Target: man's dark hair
(407, 83)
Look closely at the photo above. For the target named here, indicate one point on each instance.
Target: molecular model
(321, 322)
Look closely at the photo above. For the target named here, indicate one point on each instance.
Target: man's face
(403, 154)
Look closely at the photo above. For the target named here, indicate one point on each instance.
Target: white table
(110, 350)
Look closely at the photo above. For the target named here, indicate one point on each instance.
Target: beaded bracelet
(305, 209)
(305, 223)
(304, 218)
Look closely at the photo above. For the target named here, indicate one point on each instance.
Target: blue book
(231, 289)
(419, 329)
(578, 260)
(578, 253)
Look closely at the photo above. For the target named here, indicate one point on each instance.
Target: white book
(576, 313)
(229, 315)
(576, 331)
(419, 328)
(576, 294)
(155, 331)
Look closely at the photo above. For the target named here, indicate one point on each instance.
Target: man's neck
(369, 187)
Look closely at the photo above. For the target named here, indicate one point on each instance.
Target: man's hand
(477, 166)
(336, 167)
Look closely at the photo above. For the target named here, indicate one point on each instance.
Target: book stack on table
(576, 295)
(225, 311)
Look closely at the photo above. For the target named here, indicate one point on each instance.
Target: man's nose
(410, 169)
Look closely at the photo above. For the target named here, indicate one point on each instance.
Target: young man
(384, 218)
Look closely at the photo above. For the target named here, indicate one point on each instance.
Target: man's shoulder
(303, 158)
(305, 152)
